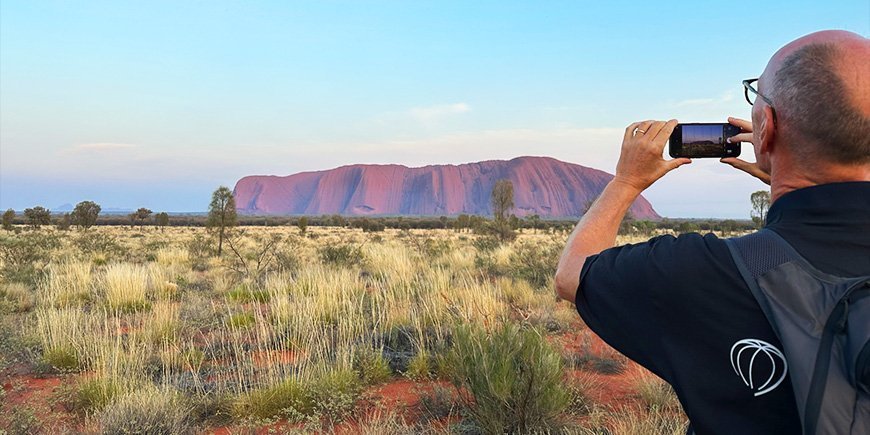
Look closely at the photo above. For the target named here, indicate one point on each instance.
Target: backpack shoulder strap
(756, 254)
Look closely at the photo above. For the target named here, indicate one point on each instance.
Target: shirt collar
(822, 203)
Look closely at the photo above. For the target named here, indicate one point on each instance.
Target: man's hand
(640, 165)
(743, 165)
(640, 161)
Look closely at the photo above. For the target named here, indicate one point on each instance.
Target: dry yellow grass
(166, 317)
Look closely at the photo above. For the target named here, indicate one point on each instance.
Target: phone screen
(703, 139)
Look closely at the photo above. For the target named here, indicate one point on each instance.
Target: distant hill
(542, 185)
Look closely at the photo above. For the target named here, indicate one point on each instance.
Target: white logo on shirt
(752, 359)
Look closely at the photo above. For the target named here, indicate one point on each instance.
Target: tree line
(222, 215)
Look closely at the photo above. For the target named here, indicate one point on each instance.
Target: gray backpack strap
(823, 322)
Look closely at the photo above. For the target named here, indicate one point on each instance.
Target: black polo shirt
(678, 306)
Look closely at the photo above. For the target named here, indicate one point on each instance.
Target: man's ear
(767, 131)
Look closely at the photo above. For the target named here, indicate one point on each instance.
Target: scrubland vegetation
(298, 330)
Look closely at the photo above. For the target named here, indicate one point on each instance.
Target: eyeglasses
(750, 93)
(747, 88)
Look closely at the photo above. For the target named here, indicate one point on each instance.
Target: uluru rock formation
(542, 186)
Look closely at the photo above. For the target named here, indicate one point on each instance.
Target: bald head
(820, 88)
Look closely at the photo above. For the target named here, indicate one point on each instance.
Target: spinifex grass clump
(372, 367)
(126, 287)
(67, 284)
(147, 411)
(331, 395)
(510, 380)
(654, 392)
(63, 334)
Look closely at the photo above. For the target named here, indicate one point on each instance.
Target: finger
(749, 168)
(664, 133)
(629, 131)
(742, 137)
(676, 163)
(737, 163)
(742, 123)
(644, 127)
(654, 129)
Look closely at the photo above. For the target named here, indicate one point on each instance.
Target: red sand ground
(401, 396)
(26, 393)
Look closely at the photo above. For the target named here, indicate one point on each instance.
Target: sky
(156, 104)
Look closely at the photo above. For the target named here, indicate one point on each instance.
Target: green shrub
(341, 255)
(372, 367)
(287, 399)
(244, 294)
(22, 421)
(64, 359)
(335, 393)
(241, 320)
(486, 244)
(24, 255)
(510, 380)
(419, 367)
(93, 395)
(535, 263)
(92, 242)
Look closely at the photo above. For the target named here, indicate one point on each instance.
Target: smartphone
(703, 140)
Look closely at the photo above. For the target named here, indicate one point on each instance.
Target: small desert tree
(502, 199)
(760, 204)
(37, 216)
(8, 219)
(302, 223)
(534, 222)
(140, 216)
(161, 219)
(85, 214)
(222, 213)
(463, 222)
(64, 222)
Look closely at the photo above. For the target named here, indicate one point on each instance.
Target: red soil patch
(26, 393)
(269, 358)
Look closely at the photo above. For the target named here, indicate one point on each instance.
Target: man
(678, 306)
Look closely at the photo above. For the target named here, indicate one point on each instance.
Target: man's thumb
(676, 163)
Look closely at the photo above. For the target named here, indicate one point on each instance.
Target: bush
(341, 255)
(372, 367)
(654, 392)
(242, 320)
(23, 256)
(148, 411)
(419, 368)
(335, 393)
(244, 294)
(22, 421)
(93, 395)
(510, 380)
(15, 298)
(287, 399)
(534, 263)
(98, 243)
(64, 359)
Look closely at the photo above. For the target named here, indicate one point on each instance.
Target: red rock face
(542, 186)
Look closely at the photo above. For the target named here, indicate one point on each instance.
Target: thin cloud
(101, 146)
(724, 98)
(439, 111)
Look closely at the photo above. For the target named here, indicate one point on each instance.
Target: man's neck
(785, 179)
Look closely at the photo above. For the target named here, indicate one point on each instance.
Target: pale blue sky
(155, 104)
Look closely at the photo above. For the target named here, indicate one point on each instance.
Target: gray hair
(811, 98)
